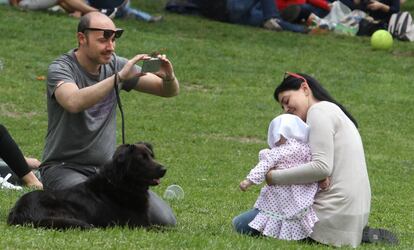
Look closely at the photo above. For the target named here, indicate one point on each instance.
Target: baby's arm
(269, 159)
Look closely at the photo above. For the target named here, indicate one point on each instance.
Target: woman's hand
(269, 180)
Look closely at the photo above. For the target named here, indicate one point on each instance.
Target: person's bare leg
(76, 5)
(31, 180)
(14, 3)
(33, 163)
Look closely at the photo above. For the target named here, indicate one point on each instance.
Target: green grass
(210, 134)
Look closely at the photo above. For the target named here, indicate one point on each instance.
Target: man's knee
(58, 177)
(159, 212)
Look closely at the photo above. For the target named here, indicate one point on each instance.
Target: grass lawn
(210, 134)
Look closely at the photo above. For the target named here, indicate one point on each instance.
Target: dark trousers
(12, 156)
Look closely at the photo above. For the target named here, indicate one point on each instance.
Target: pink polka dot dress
(285, 211)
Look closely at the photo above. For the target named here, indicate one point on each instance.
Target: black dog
(117, 195)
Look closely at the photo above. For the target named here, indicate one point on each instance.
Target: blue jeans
(255, 12)
(241, 223)
(251, 12)
(127, 11)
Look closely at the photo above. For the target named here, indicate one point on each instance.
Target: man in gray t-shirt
(93, 127)
(81, 104)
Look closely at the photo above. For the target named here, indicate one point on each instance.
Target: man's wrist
(119, 77)
(169, 78)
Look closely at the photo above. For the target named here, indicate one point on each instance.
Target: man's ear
(82, 39)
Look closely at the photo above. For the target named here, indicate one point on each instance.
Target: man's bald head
(95, 18)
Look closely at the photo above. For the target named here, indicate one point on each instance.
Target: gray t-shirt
(87, 137)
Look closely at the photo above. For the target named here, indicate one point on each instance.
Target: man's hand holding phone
(156, 75)
(158, 65)
(151, 65)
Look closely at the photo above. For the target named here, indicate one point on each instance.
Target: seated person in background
(69, 5)
(262, 13)
(380, 10)
(122, 9)
(379, 14)
(17, 164)
(295, 10)
(77, 8)
(308, 12)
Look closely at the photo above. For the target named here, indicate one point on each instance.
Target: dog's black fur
(117, 195)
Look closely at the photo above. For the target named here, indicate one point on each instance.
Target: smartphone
(151, 65)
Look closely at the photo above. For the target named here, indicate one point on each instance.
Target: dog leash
(118, 100)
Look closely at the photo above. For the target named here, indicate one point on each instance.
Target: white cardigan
(337, 151)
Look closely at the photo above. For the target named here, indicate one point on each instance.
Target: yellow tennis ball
(381, 39)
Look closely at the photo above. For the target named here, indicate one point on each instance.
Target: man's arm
(75, 100)
(162, 83)
(155, 85)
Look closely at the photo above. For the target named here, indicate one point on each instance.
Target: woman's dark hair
(293, 83)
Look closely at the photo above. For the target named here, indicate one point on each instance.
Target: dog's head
(135, 163)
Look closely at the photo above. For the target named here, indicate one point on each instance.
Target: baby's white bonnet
(290, 126)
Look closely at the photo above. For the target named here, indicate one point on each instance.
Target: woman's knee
(236, 224)
(241, 222)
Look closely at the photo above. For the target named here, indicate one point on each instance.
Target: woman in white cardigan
(337, 153)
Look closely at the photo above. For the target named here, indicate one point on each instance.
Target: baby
(285, 211)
